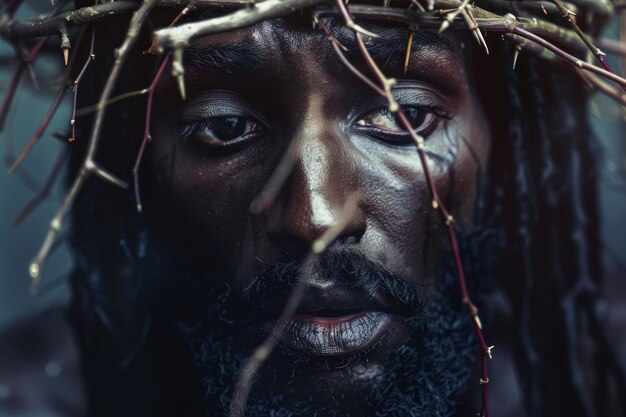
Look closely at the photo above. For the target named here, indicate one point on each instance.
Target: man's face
(277, 88)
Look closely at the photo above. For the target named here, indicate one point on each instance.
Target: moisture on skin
(294, 91)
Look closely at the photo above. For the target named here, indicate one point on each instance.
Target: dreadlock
(541, 191)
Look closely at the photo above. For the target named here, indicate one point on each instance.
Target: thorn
(33, 77)
(445, 24)
(478, 322)
(65, 43)
(435, 204)
(518, 49)
(484, 381)
(543, 9)
(450, 221)
(482, 40)
(353, 26)
(409, 43)
(489, 349)
(178, 71)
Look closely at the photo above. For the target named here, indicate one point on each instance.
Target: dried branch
(146, 135)
(90, 58)
(17, 29)
(508, 25)
(568, 15)
(178, 37)
(600, 86)
(25, 61)
(260, 355)
(51, 112)
(10, 93)
(42, 127)
(437, 202)
(45, 191)
(95, 107)
(266, 197)
(89, 167)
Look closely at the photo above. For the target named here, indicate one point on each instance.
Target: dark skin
(224, 142)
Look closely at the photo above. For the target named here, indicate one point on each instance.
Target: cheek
(214, 192)
(404, 231)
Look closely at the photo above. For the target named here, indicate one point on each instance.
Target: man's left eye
(387, 122)
(220, 131)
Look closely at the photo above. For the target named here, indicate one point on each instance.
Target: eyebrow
(230, 58)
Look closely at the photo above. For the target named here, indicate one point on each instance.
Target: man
(170, 303)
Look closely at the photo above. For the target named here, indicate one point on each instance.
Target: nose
(324, 175)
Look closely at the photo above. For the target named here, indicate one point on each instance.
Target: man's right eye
(221, 131)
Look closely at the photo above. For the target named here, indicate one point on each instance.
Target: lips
(337, 320)
(335, 335)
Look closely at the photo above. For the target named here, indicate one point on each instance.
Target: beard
(424, 376)
(174, 307)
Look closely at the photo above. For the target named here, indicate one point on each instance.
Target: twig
(24, 62)
(51, 112)
(10, 93)
(437, 204)
(30, 29)
(597, 84)
(89, 167)
(266, 197)
(42, 127)
(95, 107)
(260, 355)
(568, 57)
(45, 191)
(15, 80)
(191, 6)
(449, 18)
(146, 135)
(594, 49)
(90, 58)
(339, 48)
(177, 37)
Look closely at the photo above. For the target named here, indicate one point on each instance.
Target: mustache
(348, 270)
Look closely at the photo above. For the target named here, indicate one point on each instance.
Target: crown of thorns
(554, 30)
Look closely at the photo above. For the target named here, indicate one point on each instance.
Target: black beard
(425, 376)
(167, 353)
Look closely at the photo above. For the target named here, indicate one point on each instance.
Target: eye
(221, 131)
(386, 122)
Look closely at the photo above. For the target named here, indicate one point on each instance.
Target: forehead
(294, 43)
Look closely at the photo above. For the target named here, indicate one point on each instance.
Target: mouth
(330, 332)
